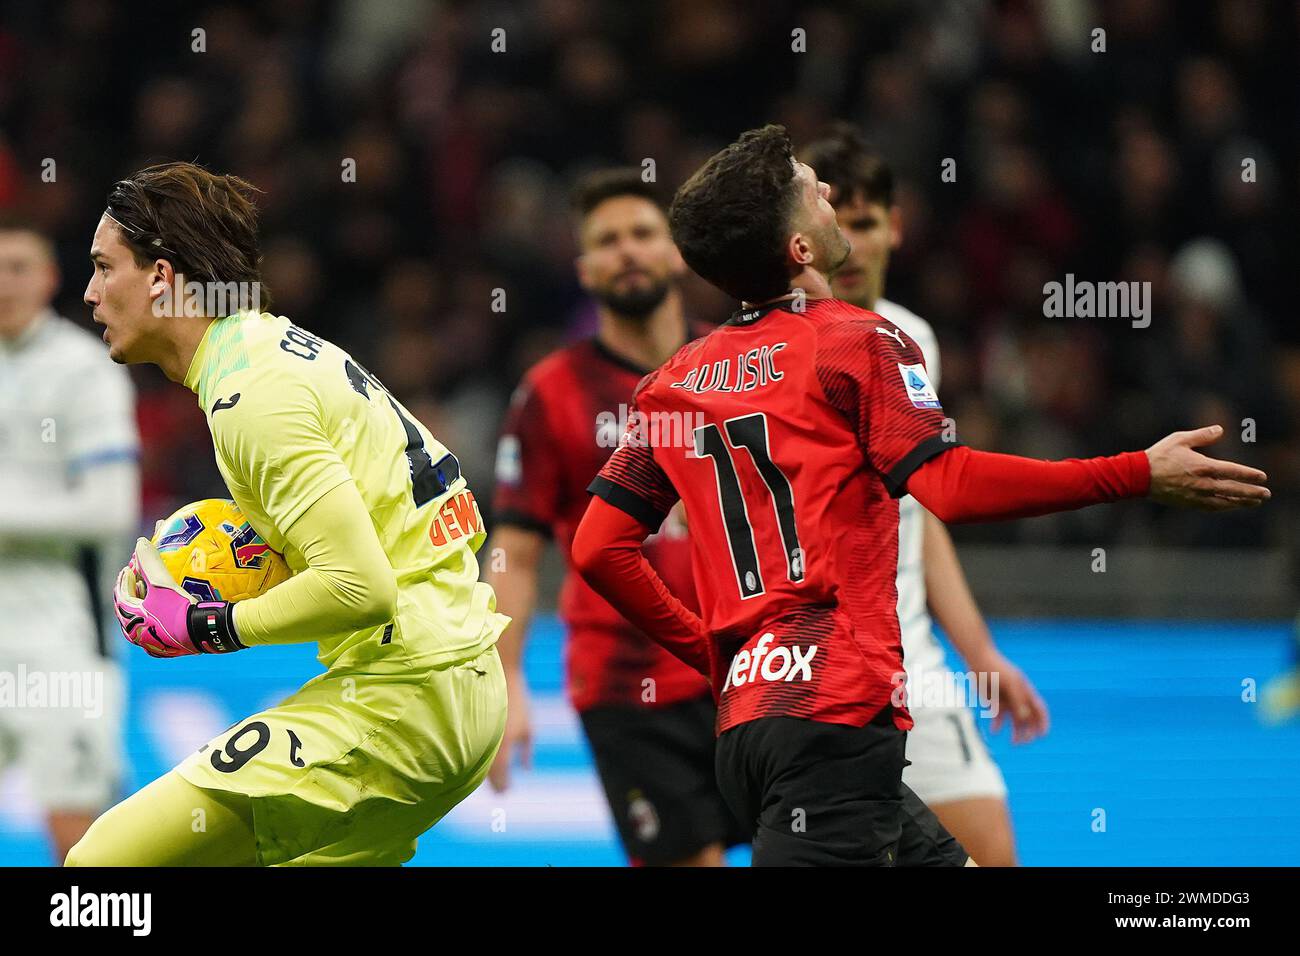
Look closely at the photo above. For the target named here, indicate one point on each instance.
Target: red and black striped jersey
(565, 420)
(788, 435)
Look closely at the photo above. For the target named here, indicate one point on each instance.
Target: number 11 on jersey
(749, 432)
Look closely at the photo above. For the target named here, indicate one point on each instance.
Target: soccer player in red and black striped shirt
(648, 717)
(808, 418)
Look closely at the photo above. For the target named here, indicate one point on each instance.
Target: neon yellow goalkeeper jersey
(292, 417)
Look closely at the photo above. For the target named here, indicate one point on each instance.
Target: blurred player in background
(69, 502)
(817, 415)
(647, 716)
(372, 515)
(951, 769)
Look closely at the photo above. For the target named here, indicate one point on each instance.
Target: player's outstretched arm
(954, 607)
(607, 553)
(514, 580)
(965, 485)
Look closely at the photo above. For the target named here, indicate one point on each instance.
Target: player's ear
(799, 249)
(163, 275)
(160, 285)
(895, 227)
(580, 267)
(53, 278)
(676, 264)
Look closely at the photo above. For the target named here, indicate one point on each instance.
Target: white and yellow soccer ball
(213, 552)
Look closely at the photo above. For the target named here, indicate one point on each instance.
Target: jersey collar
(754, 313)
(194, 377)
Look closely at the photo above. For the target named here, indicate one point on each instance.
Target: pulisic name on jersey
(660, 429)
(750, 370)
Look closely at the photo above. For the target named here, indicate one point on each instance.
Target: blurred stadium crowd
(1118, 165)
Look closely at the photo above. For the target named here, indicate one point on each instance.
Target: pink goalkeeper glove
(164, 619)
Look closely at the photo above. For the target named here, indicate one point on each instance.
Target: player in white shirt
(69, 504)
(951, 769)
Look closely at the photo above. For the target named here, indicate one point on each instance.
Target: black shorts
(829, 795)
(657, 768)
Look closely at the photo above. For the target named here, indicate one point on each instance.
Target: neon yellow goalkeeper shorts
(352, 768)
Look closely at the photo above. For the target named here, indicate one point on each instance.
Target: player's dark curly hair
(203, 223)
(731, 218)
(843, 160)
(594, 188)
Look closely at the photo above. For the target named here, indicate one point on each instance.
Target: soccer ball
(213, 552)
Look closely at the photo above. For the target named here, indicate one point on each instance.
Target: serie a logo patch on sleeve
(509, 463)
(920, 392)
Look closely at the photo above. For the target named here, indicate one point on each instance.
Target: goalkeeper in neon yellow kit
(373, 516)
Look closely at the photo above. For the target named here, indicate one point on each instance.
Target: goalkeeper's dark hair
(203, 223)
(731, 219)
(843, 160)
(602, 184)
